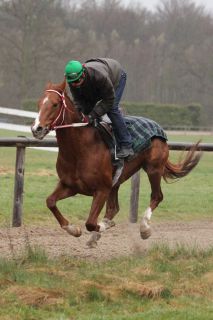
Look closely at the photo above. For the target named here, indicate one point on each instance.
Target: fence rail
(21, 143)
(18, 112)
(51, 142)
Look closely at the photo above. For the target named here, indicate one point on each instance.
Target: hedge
(167, 115)
(30, 105)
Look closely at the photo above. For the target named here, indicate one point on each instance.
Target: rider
(97, 87)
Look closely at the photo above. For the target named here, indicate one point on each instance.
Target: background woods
(167, 54)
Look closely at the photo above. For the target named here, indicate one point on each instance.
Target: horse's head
(49, 107)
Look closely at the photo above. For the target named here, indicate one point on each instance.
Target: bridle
(62, 112)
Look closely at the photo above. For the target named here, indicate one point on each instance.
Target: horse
(84, 165)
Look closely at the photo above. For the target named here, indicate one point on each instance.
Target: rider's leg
(122, 135)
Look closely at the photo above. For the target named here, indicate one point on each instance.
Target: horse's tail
(184, 166)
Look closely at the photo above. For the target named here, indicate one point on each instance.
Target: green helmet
(73, 71)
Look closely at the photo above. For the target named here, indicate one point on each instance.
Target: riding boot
(125, 152)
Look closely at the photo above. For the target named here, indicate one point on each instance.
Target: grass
(162, 284)
(190, 137)
(188, 199)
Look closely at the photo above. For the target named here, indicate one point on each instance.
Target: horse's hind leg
(62, 192)
(154, 176)
(112, 207)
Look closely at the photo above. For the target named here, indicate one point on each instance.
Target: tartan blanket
(142, 131)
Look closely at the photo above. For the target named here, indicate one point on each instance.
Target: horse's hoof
(92, 244)
(73, 230)
(145, 229)
(93, 241)
(145, 234)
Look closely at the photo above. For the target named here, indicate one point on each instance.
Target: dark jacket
(97, 93)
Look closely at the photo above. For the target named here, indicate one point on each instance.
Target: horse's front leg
(99, 199)
(62, 192)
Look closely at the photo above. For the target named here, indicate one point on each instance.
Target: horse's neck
(71, 135)
(72, 115)
(73, 141)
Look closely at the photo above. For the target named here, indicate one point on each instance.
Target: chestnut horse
(84, 164)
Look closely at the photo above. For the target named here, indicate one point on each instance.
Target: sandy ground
(121, 240)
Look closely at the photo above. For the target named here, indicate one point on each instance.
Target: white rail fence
(22, 128)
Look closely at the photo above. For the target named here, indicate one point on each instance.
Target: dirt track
(121, 240)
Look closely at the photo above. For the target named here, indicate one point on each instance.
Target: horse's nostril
(39, 128)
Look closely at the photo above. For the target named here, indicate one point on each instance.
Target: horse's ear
(48, 85)
(63, 84)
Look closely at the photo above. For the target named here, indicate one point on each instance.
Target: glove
(88, 119)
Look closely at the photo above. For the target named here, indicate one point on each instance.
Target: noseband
(62, 112)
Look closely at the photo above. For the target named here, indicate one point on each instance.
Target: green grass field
(162, 283)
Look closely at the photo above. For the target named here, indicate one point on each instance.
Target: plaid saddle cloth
(142, 131)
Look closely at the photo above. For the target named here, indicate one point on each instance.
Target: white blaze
(37, 122)
(45, 100)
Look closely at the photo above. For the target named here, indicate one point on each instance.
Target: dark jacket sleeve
(107, 93)
(79, 103)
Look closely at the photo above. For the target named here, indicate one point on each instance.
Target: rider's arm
(107, 93)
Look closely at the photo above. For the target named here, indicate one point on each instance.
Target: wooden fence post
(135, 188)
(18, 186)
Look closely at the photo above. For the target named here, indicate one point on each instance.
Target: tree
(26, 40)
(167, 54)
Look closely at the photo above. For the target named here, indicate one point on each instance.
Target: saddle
(108, 137)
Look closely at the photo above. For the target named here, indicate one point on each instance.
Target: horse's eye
(55, 105)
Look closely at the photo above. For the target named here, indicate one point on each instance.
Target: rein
(62, 112)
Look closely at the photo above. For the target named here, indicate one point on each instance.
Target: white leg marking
(102, 226)
(106, 224)
(148, 213)
(145, 229)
